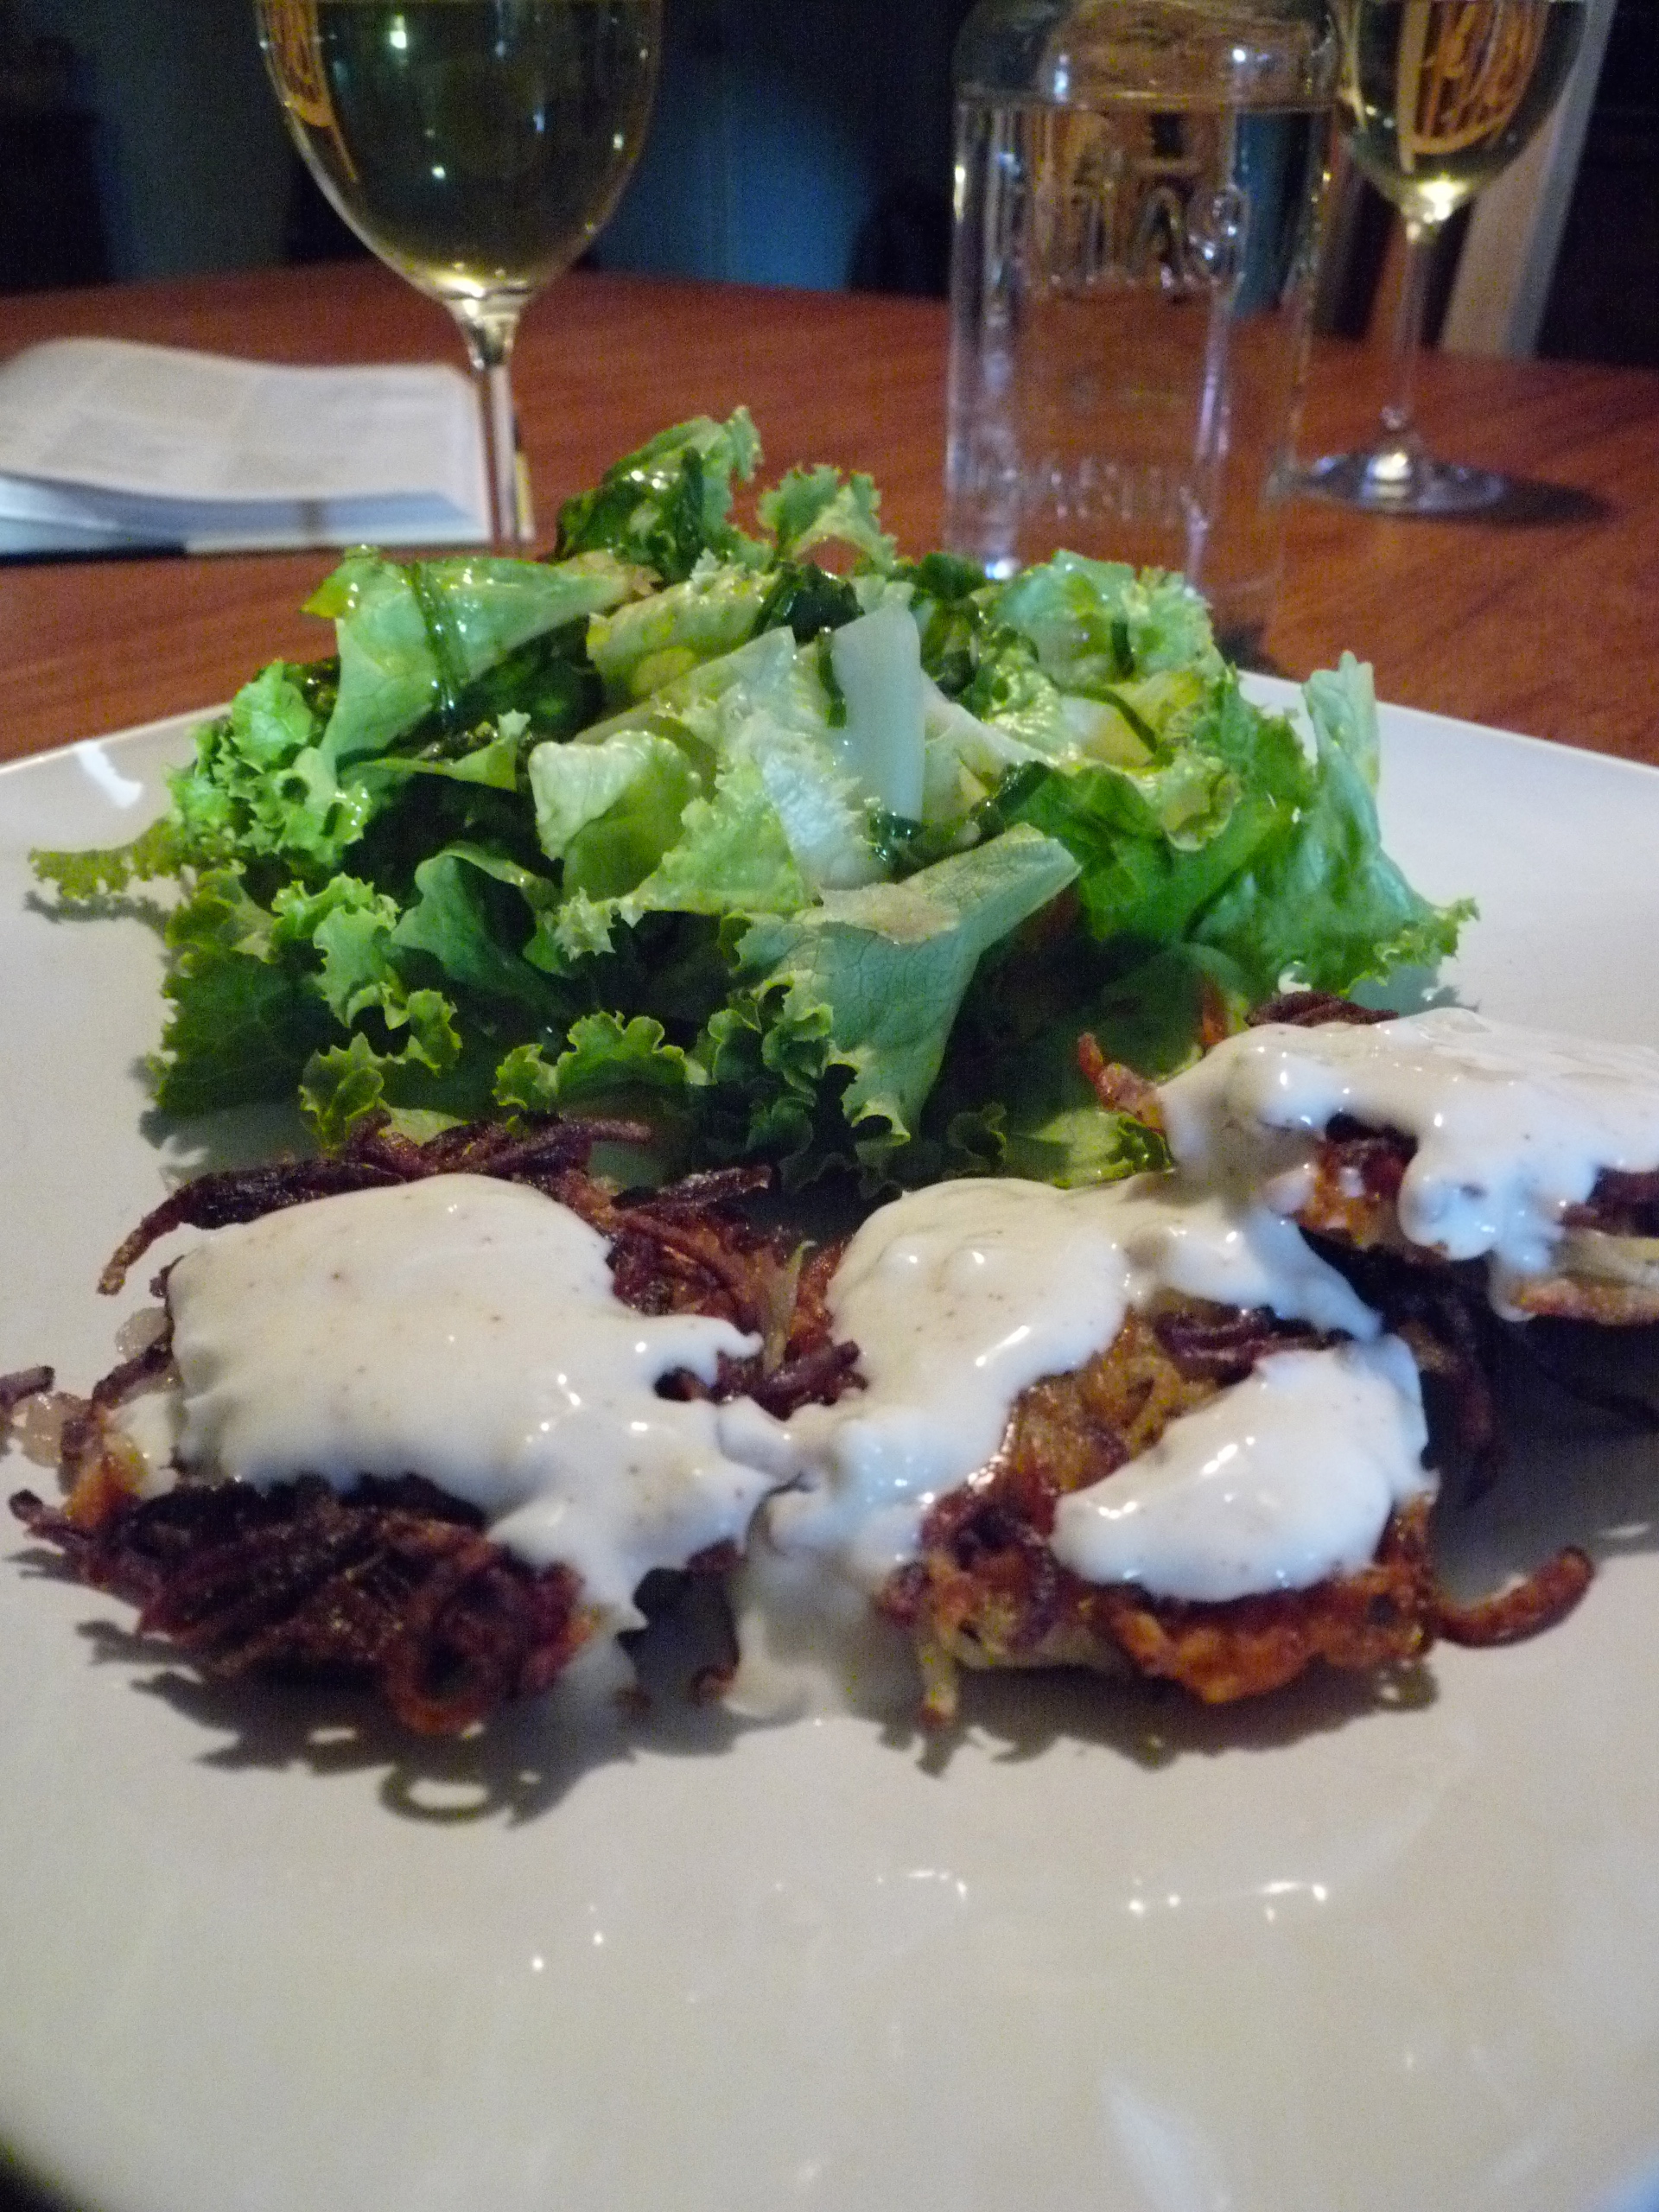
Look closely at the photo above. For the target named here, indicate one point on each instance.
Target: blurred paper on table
(110, 447)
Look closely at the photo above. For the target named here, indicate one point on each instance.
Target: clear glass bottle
(1138, 189)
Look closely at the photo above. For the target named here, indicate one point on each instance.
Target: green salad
(808, 852)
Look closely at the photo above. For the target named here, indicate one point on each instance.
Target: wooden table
(1550, 627)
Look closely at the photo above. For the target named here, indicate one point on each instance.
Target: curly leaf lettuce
(413, 635)
(866, 984)
(811, 507)
(821, 865)
(667, 504)
(1093, 623)
(245, 1008)
(1322, 904)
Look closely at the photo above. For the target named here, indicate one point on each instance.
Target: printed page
(162, 424)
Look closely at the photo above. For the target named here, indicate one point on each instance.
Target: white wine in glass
(477, 146)
(1437, 98)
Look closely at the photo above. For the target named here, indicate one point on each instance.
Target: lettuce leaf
(245, 1011)
(667, 503)
(1247, 861)
(811, 507)
(653, 641)
(260, 788)
(412, 635)
(865, 985)
(1321, 903)
(1095, 623)
(472, 913)
(610, 812)
(831, 867)
(750, 731)
(105, 872)
(605, 1061)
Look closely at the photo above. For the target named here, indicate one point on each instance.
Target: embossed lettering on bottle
(1128, 340)
(1088, 220)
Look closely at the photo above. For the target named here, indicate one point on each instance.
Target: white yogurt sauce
(466, 1330)
(1511, 1126)
(961, 1296)
(1284, 1479)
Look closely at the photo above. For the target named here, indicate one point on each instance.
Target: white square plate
(1345, 1949)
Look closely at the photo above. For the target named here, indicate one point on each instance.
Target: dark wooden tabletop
(1547, 622)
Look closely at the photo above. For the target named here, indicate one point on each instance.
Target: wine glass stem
(489, 346)
(1397, 421)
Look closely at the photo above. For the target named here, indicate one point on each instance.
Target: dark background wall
(785, 138)
(790, 140)
(187, 154)
(1603, 305)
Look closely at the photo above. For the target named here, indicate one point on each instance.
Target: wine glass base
(1389, 482)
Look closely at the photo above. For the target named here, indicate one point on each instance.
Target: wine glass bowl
(1436, 99)
(477, 147)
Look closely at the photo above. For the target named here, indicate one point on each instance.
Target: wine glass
(1437, 96)
(476, 146)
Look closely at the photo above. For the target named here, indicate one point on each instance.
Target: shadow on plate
(241, 1136)
(1582, 1406)
(1585, 1471)
(531, 1755)
(20, 2193)
(102, 906)
(1019, 1716)
(514, 1769)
